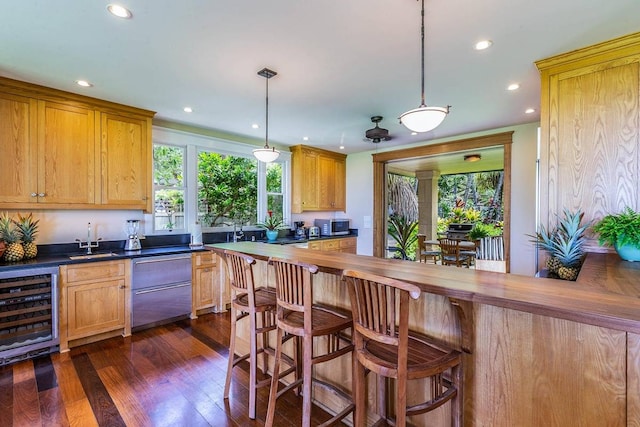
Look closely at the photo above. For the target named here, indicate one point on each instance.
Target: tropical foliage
(619, 229)
(405, 233)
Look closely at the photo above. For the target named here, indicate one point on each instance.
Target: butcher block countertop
(607, 292)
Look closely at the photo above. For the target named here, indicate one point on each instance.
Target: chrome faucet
(89, 244)
(237, 235)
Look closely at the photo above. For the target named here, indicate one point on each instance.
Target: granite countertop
(56, 259)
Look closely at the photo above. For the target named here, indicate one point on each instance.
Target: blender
(133, 241)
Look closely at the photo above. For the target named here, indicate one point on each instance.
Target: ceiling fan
(377, 133)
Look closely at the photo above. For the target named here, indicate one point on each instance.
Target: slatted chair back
(241, 277)
(450, 249)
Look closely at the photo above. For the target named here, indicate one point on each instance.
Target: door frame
(380, 167)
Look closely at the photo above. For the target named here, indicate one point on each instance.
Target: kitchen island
(539, 351)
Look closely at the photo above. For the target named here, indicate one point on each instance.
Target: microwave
(332, 227)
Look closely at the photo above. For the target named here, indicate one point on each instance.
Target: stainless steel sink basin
(92, 256)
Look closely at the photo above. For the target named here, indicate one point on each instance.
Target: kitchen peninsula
(540, 351)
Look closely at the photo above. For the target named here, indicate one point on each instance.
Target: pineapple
(29, 228)
(564, 244)
(11, 235)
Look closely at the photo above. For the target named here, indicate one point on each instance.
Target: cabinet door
(204, 290)
(18, 165)
(310, 194)
(125, 161)
(95, 308)
(66, 154)
(332, 177)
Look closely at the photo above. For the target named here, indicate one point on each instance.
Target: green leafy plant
(272, 222)
(619, 229)
(480, 231)
(404, 232)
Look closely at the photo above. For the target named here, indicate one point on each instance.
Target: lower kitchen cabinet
(206, 279)
(94, 302)
(344, 244)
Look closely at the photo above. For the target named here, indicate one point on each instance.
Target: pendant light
(266, 154)
(423, 118)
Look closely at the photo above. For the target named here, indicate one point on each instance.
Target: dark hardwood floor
(171, 375)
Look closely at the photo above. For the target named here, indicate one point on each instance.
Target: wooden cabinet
(94, 301)
(206, 280)
(125, 161)
(64, 151)
(318, 180)
(590, 136)
(18, 133)
(344, 244)
(66, 155)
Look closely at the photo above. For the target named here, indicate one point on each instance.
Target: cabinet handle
(206, 270)
(40, 194)
(34, 194)
(123, 287)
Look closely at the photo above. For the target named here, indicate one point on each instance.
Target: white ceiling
(339, 62)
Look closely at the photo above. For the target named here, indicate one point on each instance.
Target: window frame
(193, 144)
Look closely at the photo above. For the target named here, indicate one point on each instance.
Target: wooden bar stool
(384, 345)
(259, 305)
(298, 316)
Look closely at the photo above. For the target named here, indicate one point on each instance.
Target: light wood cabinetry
(206, 283)
(125, 161)
(318, 180)
(344, 244)
(590, 143)
(95, 301)
(65, 151)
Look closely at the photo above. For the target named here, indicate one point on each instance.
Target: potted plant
(622, 232)
(405, 233)
(272, 224)
(564, 244)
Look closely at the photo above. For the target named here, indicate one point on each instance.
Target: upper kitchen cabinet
(318, 181)
(125, 161)
(59, 150)
(18, 137)
(590, 118)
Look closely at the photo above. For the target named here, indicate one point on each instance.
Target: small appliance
(299, 229)
(314, 232)
(333, 227)
(133, 240)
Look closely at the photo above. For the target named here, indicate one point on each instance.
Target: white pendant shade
(423, 119)
(266, 154)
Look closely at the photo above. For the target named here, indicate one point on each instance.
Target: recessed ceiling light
(483, 44)
(342, 147)
(255, 126)
(529, 111)
(119, 11)
(83, 83)
(188, 110)
(513, 86)
(414, 133)
(305, 138)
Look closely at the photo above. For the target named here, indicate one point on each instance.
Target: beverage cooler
(28, 313)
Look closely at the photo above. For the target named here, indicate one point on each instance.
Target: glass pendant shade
(266, 154)
(423, 119)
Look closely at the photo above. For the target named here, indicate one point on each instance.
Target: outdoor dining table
(464, 244)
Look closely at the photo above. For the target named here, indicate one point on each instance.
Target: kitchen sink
(92, 256)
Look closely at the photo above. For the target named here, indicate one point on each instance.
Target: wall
(523, 185)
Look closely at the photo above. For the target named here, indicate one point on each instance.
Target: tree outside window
(169, 187)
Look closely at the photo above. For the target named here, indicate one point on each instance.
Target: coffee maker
(299, 231)
(133, 241)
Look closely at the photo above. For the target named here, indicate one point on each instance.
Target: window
(168, 187)
(214, 182)
(227, 190)
(275, 192)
